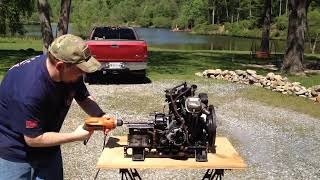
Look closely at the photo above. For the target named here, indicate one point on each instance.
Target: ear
(59, 65)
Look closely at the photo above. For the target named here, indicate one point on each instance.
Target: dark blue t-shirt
(31, 103)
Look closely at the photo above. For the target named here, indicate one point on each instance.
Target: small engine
(187, 130)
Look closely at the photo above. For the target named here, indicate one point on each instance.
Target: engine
(188, 129)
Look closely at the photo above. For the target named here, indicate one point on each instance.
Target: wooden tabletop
(225, 158)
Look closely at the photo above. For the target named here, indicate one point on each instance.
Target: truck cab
(119, 51)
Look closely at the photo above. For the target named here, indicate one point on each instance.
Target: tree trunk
(213, 14)
(286, 7)
(280, 5)
(227, 11)
(238, 12)
(315, 44)
(3, 29)
(266, 26)
(250, 11)
(44, 15)
(294, 55)
(64, 18)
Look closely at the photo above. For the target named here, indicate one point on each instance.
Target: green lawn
(180, 64)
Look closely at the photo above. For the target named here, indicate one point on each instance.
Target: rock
(301, 92)
(296, 84)
(251, 72)
(296, 88)
(212, 72)
(302, 96)
(199, 74)
(258, 84)
(280, 88)
(220, 77)
(240, 72)
(270, 76)
(204, 73)
(318, 99)
(316, 88)
(313, 99)
(281, 83)
(274, 84)
(278, 78)
(286, 87)
(252, 80)
(212, 76)
(232, 73)
(235, 79)
(225, 72)
(227, 77)
(314, 93)
(258, 76)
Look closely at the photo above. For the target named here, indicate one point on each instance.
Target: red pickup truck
(119, 51)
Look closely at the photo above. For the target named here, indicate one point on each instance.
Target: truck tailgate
(119, 51)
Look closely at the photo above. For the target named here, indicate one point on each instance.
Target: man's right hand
(82, 134)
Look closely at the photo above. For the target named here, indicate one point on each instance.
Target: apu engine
(187, 130)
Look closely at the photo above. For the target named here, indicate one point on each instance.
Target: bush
(161, 22)
(281, 23)
(144, 22)
(206, 29)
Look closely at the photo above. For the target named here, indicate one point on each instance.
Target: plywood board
(226, 157)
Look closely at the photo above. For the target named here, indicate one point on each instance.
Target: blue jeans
(44, 169)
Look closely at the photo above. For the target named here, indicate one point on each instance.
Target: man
(35, 96)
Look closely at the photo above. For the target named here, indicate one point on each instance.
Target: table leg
(129, 174)
(213, 174)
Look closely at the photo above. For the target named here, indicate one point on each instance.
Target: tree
(294, 55)
(266, 26)
(11, 12)
(2, 18)
(64, 18)
(46, 30)
(313, 29)
(45, 22)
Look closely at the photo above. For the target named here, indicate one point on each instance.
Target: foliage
(281, 23)
(11, 12)
(314, 22)
(239, 17)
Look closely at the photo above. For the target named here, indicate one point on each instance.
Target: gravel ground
(275, 143)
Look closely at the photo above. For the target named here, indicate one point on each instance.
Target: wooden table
(225, 158)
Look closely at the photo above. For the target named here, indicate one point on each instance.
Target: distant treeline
(229, 17)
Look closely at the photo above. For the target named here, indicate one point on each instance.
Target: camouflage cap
(72, 49)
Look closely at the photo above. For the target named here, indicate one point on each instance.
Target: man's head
(72, 57)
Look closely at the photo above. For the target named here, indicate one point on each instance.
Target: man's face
(70, 73)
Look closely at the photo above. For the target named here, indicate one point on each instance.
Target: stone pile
(271, 81)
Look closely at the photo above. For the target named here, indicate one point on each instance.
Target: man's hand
(81, 134)
(106, 131)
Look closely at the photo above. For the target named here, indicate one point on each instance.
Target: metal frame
(129, 174)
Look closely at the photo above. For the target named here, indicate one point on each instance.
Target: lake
(164, 38)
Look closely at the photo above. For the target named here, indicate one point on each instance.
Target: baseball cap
(72, 49)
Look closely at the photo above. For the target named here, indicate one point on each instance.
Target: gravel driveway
(275, 143)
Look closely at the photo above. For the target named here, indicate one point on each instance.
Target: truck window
(101, 33)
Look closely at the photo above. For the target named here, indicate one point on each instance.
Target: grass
(274, 99)
(182, 65)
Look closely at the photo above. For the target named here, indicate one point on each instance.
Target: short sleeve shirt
(31, 103)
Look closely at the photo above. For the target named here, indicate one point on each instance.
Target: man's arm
(54, 138)
(90, 106)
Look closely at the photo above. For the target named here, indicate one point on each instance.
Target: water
(164, 38)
